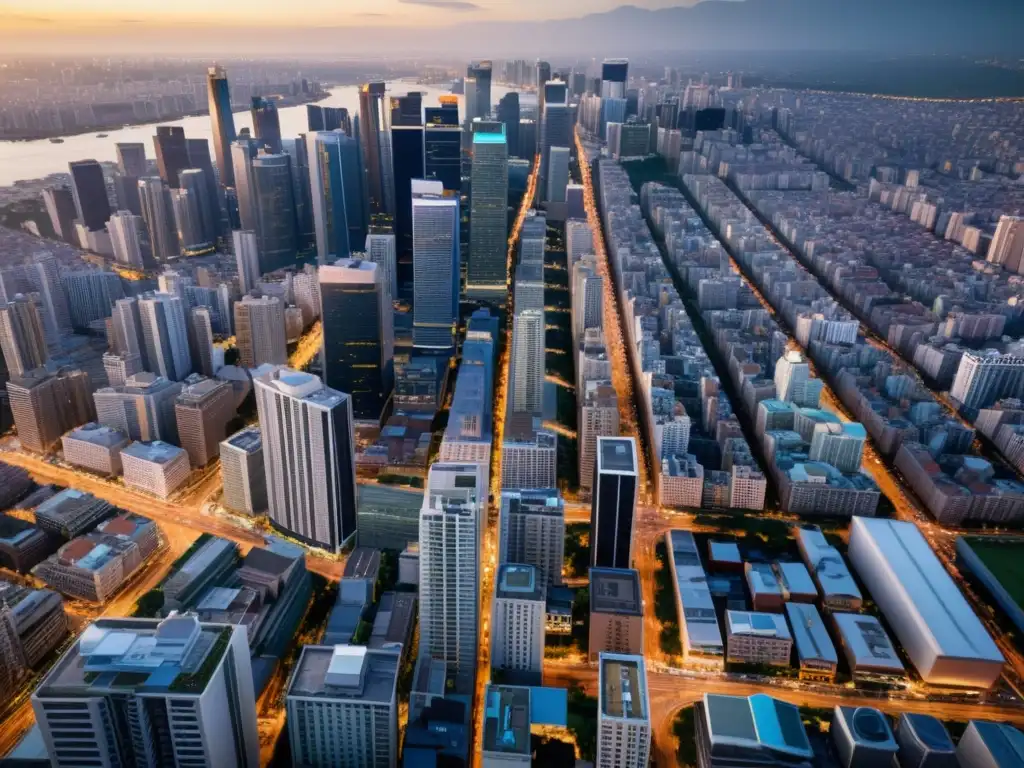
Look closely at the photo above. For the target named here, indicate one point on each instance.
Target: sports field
(1005, 559)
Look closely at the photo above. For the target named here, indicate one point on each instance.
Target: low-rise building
(700, 634)
(158, 467)
(92, 567)
(71, 513)
(862, 737)
(839, 590)
(616, 612)
(750, 730)
(869, 653)
(757, 638)
(212, 560)
(507, 726)
(796, 582)
(558, 616)
(22, 545)
(814, 650)
(765, 590)
(38, 619)
(924, 743)
(241, 471)
(95, 447)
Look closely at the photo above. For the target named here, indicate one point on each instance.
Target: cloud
(373, 15)
(24, 18)
(450, 5)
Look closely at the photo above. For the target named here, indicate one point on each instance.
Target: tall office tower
(242, 153)
(200, 340)
(194, 181)
(90, 294)
(242, 473)
(142, 408)
(171, 153)
(126, 323)
(529, 287)
(44, 274)
(579, 240)
(309, 457)
(266, 123)
(1007, 248)
(342, 707)
(532, 239)
(340, 217)
(435, 228)
(556, 131)
(528, 362)
(131, 159)
(508, 113)
(60, 205)
(359, 337)
(793, 381)
(165, 335)
(188, 220)
(517, 620)
(442, 142)
(480, 71)
(614, 75)
(46, 405)
(127, 235)
(247, 259)
(299, 163)
(274, 202)
(380, 249)
(260, 332)
(558, 174)
(614, 502)
(469, 90)
(375, 136)
(983, 379)
(487, 277)
(120, 367)
(199, 157)
(408, 154)
(150, 693)
(587, 299)
(598, 417)
(328, 119)
(623, 712)
(223, 122)
(173, 282)
(90, 194)
(543, 75)
(21, 336)
(126, 193)
(532, 532)
(159, 218)
(202, 411)
(450, 523)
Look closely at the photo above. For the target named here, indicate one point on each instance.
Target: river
(37, 159)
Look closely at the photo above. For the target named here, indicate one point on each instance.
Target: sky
(67, 15)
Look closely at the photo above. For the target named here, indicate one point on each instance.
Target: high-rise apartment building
(587, 298)
(1007, 248)
(528, 362)
(46, 405)
(517, 620)
(983, 379)
(359, 337)
(343, 707)
(223, 121)
(435, 226)
(623, 712)
(90, 193)
(151, 693)
(528, 454)
(309, 457)
(442, 142)
(260, 331)
(202, 411)
(171, 150)
(242, 473)
(90, 294)
(22, 337)
(266, 123)
(165, 335)
(841, 445)
(794, 383)
(200, 341)
(127, 235)
(454, 505)
(375, 136)
(613, 508)
(487, 277)
(155, 200)
(532, 532)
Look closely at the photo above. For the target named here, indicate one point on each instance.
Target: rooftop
(507, 719)
(756, 721)
(616, 454)
(623, 686)
(157, 451)
(348, 672)
(760, 624)
(519, 582)
(97, 434)
(615, 590)
(795, 579)
(249, 440)
(761, 579)
(363, 563)
(692, 590)
(809, 633)
(865, 640)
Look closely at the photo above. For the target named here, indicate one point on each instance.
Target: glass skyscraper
(340, 217)
(375, 135)
(508, 113)
(435, 233)
(442, 142)
(266, 123)
(488, 234)
(408, 155)
(223, 123)
(274, 201)
(171, 153)
(90, 194)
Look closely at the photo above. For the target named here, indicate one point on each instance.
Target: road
(309, 346)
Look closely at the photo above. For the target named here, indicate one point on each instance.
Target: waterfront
(23, 160)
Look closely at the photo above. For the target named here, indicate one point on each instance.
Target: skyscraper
(44, 275)
(623, 712)
(527, 375)
(380, 249)
(126, 322)
(46, 405)
(200, 340)
(435, 224)
(794, 383)
(299, 157)
(159, 218)
(188, 219)
(165, 335)
(328, 119)
(131, 159)
(359, 339)
(60, 206)
(442, 141)
(450, 523)
(90, 194)
(375, 135)
(309, 457)
(480, 72)
(90, 295)
(556, 132)
(266, 123)
(172, 153)
(614, 503)
(106, 686)
(558, 174)
(202, 411)
(242, 153)
(508, 113)
(247, 259)
(260, 331)
(21, 336)
(532, 532)
(223, 122)
(409, 163)
(543, 75)
(340, 217)
(199, 157)
(195, 181)
(242, 472)
(274, 202)
(488, 235)
(517, 620)
(128, 237)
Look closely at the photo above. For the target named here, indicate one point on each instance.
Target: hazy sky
(42, 14)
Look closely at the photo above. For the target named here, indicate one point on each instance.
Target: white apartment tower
(532, 532)
(793, 381)
(517, 620)
(528, 362)
(623, 712)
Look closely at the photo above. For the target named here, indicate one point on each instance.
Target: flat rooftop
(866, 642)
(249, 440)
(703, 633)
(519, 582)
(759, 624)
(616, 454)
(507, 719)
(345, 672)
(97, 434)
(362, 563)
(623, 687)
(757, 720)
(615, 590)
(809, 633)
(157, 452)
